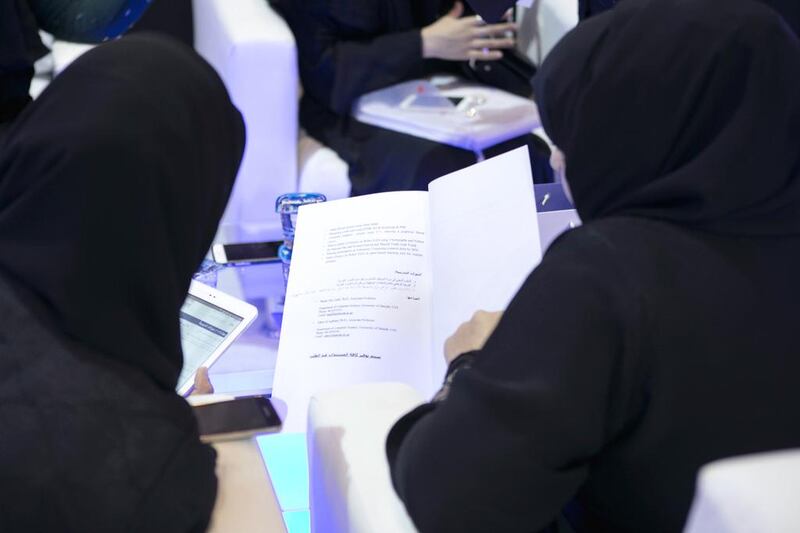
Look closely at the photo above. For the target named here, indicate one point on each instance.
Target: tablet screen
(203, 328)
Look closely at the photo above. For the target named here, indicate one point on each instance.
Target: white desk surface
(248, 366)
(246, 499)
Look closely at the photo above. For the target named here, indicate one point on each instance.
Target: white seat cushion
(750, 494)
(64, 53)
(349, 482)
(321, 170)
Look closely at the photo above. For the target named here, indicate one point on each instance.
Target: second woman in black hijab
(111, 186)
(662, 334)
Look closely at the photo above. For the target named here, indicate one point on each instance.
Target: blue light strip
(298, 521)
(287, 462)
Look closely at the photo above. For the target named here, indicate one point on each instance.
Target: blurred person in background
(348, 48)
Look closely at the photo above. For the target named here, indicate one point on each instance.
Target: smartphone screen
(252, 251)
(253, 414)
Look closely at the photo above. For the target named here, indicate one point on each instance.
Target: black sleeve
(345, 51)
(183, 497)
(512, 442)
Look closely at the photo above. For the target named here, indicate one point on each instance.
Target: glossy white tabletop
(248, 366)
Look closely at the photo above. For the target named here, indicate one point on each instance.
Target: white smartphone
(245, 253)
(240, 418)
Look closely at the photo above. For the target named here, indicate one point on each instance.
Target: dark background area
(173, 17)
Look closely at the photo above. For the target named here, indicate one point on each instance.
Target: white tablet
(210, 321)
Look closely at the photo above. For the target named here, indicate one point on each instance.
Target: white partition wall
(254, 52)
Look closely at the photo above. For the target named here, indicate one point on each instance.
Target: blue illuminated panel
(287, 462)
(298, 521)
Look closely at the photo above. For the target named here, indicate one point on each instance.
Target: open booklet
(379, 282)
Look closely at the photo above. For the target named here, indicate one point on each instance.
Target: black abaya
(660, 335)
(109, 199)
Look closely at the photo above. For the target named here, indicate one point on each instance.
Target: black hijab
(680, 110)
(106, 213)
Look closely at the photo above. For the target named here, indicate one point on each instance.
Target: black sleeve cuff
(403, 426)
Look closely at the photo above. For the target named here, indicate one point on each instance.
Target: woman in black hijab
(662, 334)
(111, 187)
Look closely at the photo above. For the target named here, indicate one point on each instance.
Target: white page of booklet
(484, 242)
(358, 301)
(365, 305)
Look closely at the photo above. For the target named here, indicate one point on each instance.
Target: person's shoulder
(607, 254)
(596, 240)
(610, 237)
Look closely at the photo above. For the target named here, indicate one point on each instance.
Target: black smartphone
(236, 419)
(248, 252)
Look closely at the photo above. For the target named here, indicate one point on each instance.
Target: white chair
(255, 53)
(321, 170)
(750, 494)
(253, 50)
(350, 489)
(543, 25)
